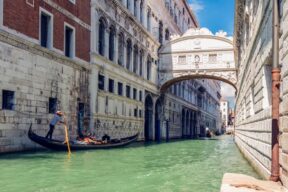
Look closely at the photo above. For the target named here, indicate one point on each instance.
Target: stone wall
(253, 101)
(35, 74)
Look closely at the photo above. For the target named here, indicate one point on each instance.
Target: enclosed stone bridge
(197, 54)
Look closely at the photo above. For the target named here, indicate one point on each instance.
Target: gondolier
(56, 119)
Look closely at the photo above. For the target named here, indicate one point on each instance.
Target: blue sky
(215, 14)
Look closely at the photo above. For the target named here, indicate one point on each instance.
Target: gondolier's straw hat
(59, 113)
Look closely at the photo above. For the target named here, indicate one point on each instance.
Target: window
(121, 49)
(8, 100)
(182, 60)
(140, 95)
(135, 7)
(111, 85)
(101, 82)
(101, 41)
(111, 43)
(160, 32)
(52, 105)
(141, 11)
(46, 30)
(135, 94)
(135, 59)
(128, 91)
(129, 50)
(120, 88)
(149, 20)
(148, 68)
(141, 63)
(140, 113)
(135, 112)
(167, 34)
(69, 42)
(212, 58)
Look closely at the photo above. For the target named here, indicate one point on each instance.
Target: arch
(158, 113)
(112, 33)
(148, 123)
(170, 82)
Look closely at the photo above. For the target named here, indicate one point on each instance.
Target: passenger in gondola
(56, 119)
(105, 138)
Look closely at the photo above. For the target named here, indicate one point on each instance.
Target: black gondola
(60, 146)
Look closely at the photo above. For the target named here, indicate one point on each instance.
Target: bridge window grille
(212, 58)
(182, 60)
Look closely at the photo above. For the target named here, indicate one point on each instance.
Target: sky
(215, 14)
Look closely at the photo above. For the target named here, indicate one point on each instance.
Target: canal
(189, 165)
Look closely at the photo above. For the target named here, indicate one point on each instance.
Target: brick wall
(24, 18)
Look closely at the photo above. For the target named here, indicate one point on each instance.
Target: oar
(67, 137)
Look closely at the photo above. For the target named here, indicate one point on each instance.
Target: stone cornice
(25, 45)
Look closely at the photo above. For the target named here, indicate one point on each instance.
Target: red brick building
(54, 20)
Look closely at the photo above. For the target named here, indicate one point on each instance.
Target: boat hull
(60, 146)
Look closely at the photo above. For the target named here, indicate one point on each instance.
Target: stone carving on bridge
(197, 54)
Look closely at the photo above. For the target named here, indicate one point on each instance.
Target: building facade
(224, 108)
(253, 46)
(98, 62)
(44, 66)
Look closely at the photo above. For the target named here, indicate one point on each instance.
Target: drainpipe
(275, 167)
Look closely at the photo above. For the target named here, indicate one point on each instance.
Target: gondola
(60, 146)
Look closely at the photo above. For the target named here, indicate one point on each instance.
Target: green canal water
(189, 165)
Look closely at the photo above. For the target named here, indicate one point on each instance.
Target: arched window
(135, 59)
(129, 51)
(112, 42)
(141, 63)
(128, 4)
(160, 32)
(121, 49)
(101, 34)
(149, 61)
(167, 34)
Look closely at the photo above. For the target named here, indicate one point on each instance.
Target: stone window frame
(73, 52)
(51, 26)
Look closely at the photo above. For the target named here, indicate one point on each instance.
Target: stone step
(242, 183)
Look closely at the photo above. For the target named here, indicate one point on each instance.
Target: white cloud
(196, 5)
(227, 90)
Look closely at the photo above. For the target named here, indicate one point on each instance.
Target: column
(145, 13)
(138, 63)
(124, 2)
(93, 89)
(138, 9)
(124, 54)
(145, 65)
(107, 43)
(131, 6)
